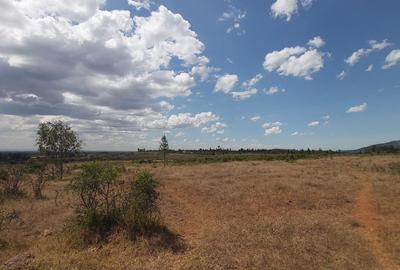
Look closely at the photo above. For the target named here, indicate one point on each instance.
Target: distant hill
(389, 147)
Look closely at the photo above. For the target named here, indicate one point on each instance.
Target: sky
(230, 73)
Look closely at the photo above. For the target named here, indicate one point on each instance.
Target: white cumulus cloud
(271, 124)
(287, 8)
(226, 83)
(139, 4)
(295, 61)
(342, 75)
(253, 81)
(104, 71)
(356, 56)
(359, 108)
(234, 17)
(218, 128)
(242, 95)
(273, 130)
(392, 59)
(313, 124)
(316, 42)
(274, 90)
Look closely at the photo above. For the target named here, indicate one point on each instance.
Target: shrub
(141, 213)
(104, 204)
(2, 216)
(42, 174)
(11, 181)
(99, 199)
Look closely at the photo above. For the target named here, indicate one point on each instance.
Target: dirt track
(369, 222)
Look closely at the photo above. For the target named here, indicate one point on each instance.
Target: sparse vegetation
(2, 218)
(301, 215)
(41, 175)
(11, 181)
(394, 167)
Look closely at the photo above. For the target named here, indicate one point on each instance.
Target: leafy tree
(164, 147)
(57, 141)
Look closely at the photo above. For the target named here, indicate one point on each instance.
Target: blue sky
(207, 51)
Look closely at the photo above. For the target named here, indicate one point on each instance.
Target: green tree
(164, 147)
(57, 141)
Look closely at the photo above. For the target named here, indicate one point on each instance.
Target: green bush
(141, 213)
(99, 194)
(105, 203)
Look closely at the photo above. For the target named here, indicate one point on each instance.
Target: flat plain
(340, 212)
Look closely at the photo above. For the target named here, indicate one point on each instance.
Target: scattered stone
(94, 249)
(12, 215)
(19, 262)
(47, 232)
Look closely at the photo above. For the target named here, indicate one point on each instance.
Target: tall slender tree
(57, 141)
(164, 148)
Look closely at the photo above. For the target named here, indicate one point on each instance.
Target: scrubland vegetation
(237, 215)
(262, 211)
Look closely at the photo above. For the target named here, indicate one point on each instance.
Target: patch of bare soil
(369, 222)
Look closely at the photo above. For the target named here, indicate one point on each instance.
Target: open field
(328, 213)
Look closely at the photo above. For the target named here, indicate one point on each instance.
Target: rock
(19, 262)
(94, 249)
(12, 215)
(47, 232)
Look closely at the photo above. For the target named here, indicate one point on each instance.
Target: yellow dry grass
(309, 214)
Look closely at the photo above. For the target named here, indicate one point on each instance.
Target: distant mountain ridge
(393, 146)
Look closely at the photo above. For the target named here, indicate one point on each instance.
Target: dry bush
(2, 218)
(39, 180)
(11, 181)
(394, 167)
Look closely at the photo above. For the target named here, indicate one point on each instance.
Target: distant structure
(141, 149)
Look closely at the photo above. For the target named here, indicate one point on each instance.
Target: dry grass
(235, 215)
